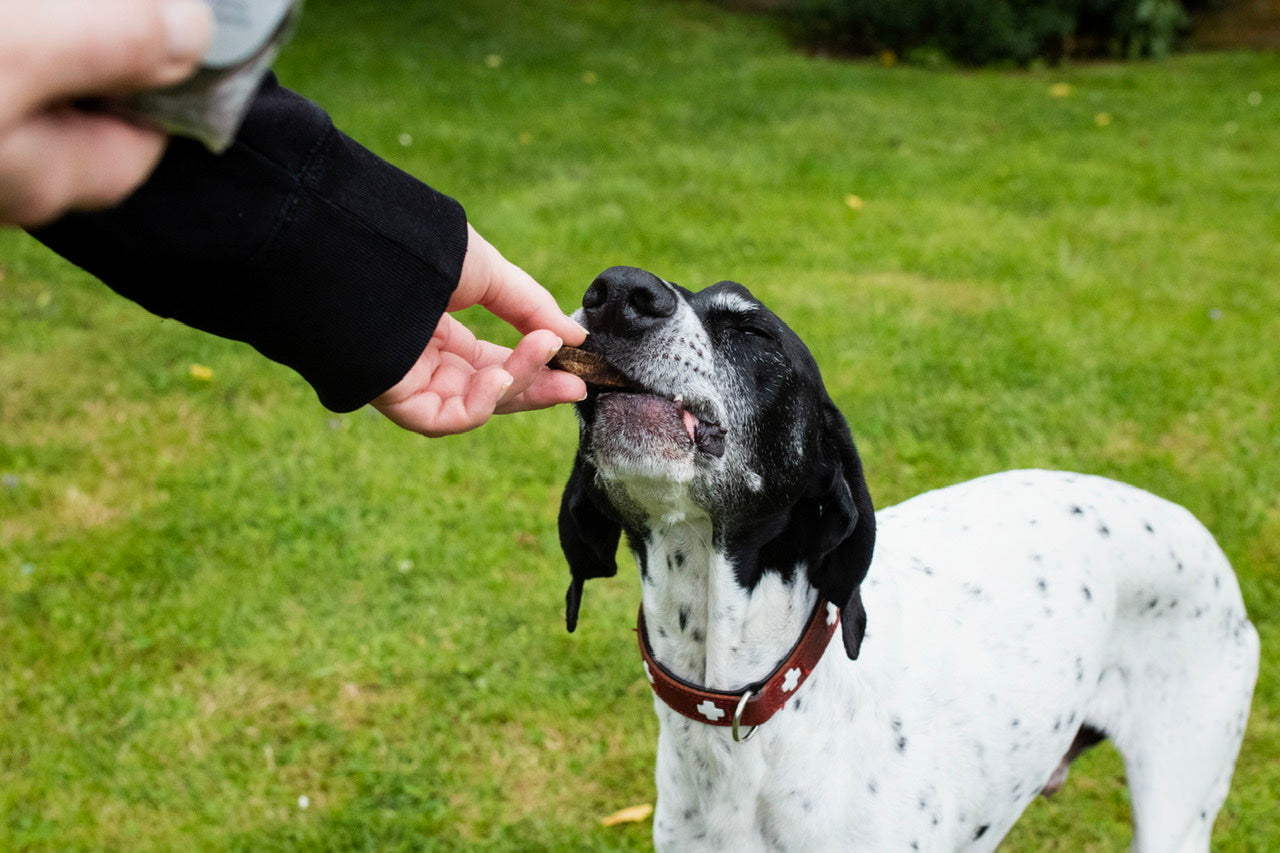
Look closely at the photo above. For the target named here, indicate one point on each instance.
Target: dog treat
(589, 366)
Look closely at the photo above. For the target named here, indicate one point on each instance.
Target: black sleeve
(296, 240)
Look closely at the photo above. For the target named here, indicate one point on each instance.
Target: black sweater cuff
(297, 240)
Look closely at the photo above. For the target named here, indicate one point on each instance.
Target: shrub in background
(978, 32)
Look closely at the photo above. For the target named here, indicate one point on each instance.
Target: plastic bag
(211, 104)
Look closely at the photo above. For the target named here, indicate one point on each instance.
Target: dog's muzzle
(629, 314)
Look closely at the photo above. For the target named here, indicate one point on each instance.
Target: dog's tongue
(690, 424)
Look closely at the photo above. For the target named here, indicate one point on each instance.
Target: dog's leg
(1087, 738)
(1180, 692)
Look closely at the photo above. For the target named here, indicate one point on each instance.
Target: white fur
(1003, 613)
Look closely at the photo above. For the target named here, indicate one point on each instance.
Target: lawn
(231, 620)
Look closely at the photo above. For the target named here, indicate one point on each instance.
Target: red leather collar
(755, 703)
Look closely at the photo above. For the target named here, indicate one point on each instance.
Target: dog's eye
(752, 331)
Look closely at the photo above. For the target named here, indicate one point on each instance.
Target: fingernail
(189, 27)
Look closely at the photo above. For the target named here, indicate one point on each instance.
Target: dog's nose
(627, 301)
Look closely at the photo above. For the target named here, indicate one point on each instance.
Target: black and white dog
(991, 630)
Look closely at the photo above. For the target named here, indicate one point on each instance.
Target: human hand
(54, 157)
(459, 382)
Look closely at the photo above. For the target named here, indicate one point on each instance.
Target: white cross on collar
(710, 710)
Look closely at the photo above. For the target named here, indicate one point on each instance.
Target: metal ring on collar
(737, 719)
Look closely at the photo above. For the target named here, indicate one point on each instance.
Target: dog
(990, 631)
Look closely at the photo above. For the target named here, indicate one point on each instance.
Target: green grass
(216, 598)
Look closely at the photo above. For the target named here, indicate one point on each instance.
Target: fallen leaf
(854, 202)
(1102, 119)
(201, 373)
(631, 814)
(1060, 90)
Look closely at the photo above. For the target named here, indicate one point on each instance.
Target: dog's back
(1032, 604)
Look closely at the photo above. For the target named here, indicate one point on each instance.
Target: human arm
(325, 258)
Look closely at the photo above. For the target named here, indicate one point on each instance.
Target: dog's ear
(588, 536)
(844, 527)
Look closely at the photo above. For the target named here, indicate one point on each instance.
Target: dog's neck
(703, 625)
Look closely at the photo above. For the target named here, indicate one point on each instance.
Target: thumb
(77, 48)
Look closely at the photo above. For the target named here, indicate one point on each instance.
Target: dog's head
(726, 411)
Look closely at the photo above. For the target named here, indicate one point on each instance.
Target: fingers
(435, 414)
(66, 159)
(490, 280)
(549, 388)
(534, 385)
(459, 382)
(62, 49)
(54, 158)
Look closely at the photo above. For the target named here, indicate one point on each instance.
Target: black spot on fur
(684, 618)
(982, 830)
(1075, 510)
(679, 559)
(1148, 526)
(902, 745)
(1088, 593)
(1104, 530)
(1042, 585)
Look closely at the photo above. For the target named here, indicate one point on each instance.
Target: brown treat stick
(589, 366)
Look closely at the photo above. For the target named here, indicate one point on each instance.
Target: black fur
(589, 535)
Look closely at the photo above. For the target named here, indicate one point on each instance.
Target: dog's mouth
(618, 404)
(638, 414)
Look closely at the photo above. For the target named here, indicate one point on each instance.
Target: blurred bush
(979, 32)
